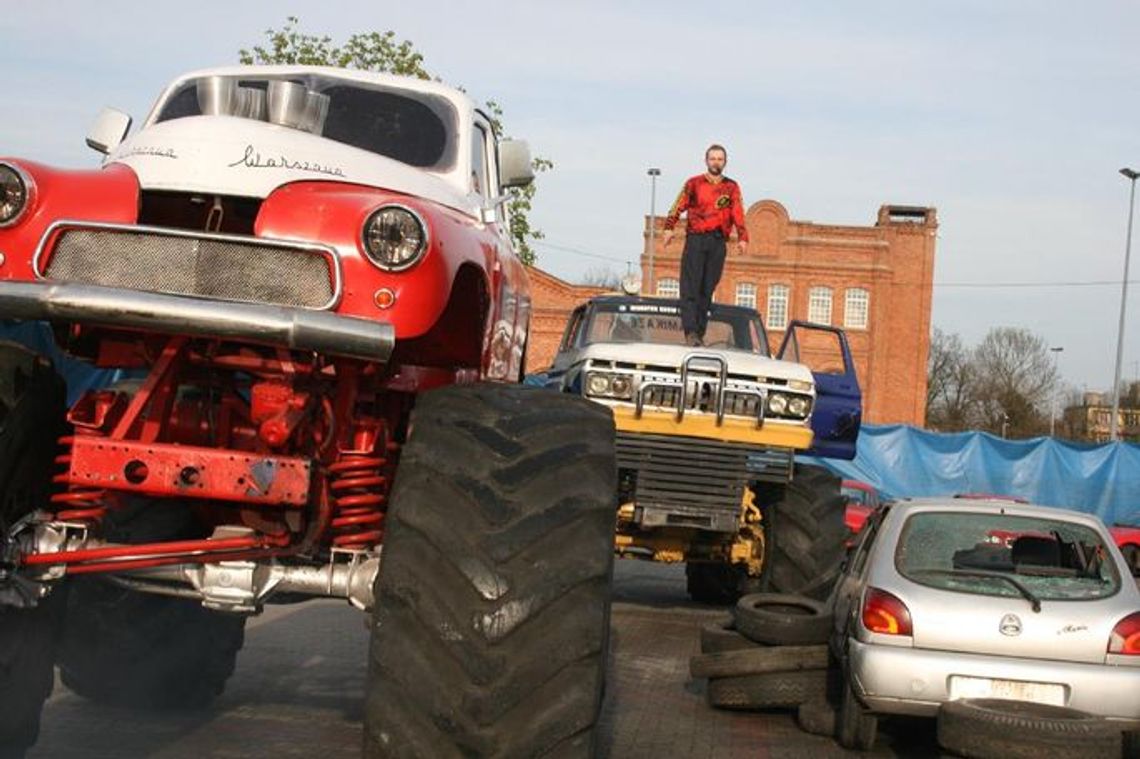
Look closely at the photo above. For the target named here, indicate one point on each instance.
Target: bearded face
(715, 161)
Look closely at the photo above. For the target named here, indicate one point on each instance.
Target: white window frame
(781, 295)
(746, 294)
(856, 308)
(819, 305)
(491, 164)
(667, 287)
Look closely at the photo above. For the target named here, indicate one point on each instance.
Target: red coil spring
(359, 488)
(77, 503)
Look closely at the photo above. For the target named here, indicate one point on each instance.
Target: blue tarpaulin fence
(904, 461)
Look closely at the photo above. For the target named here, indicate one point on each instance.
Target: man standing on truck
(713, 205)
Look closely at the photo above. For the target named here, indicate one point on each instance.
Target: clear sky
(1011, 118)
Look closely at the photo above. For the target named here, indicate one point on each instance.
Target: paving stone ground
(299, 685)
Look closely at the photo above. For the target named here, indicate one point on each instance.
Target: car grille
(695, 473)
(218, 267)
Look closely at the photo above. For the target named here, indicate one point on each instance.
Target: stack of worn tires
(771, 653)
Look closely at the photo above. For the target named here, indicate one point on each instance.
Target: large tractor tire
(31, 420)
(490, 630)
(806, 534)
(145, 651)
(135, 649)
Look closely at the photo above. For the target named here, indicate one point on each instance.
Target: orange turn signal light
(384, 298)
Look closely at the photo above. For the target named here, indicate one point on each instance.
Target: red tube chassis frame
(300, 447)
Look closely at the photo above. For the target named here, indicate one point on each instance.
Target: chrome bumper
(896, 680)
(297, 328)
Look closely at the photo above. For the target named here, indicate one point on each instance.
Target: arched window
(777, 306)
(668, 288)
(857, 309)
(746, 294)
(819, 305)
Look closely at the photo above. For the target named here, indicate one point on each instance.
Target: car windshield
(996, 554)
(415, 128)
(661, 324)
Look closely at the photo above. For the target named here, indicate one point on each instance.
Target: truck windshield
(415, 128)
(661, 324)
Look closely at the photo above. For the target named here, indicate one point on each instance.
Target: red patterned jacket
(709, 207)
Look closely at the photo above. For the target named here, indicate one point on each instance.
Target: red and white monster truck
(306, 279)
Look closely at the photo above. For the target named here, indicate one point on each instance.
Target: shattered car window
(1003, 555)
(415, 128)
(662, 326)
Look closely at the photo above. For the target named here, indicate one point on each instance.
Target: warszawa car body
(309, 164)
(281, 261)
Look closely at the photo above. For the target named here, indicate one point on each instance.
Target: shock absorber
(359, 488)
(78, 503)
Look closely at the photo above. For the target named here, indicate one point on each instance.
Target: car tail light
(1125, 638)
(883, 613)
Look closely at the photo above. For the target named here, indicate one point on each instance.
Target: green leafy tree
(382, 52)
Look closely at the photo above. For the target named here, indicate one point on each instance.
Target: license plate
(1016, 690)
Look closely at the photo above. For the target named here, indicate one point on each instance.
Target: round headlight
(394, 237)
(13, 194)
(777, 404)
(621, 386)
(598, 384)
(798, 405)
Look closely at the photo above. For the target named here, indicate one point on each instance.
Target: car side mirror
(108, 131)
(515, 168)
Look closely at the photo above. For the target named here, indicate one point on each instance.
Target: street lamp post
(1053, 412)
(653, 174)
(1131, 175)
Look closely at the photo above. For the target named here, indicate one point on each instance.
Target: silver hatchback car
(943, 599)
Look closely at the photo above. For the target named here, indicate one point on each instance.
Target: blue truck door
(839, 402)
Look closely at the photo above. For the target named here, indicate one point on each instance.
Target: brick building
(1091, 421)
(874, 281)
(551, 301)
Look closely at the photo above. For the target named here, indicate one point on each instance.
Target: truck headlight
(598, 383)
(609, 385)
(799, 406)
(777, 404)
(621, 386)
(14, 191)
(394, 237)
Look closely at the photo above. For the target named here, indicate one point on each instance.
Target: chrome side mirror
(110, 129)
(515, 168)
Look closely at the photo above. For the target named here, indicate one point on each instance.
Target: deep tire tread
(775, 689)
(807, 534)
(490, 628)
